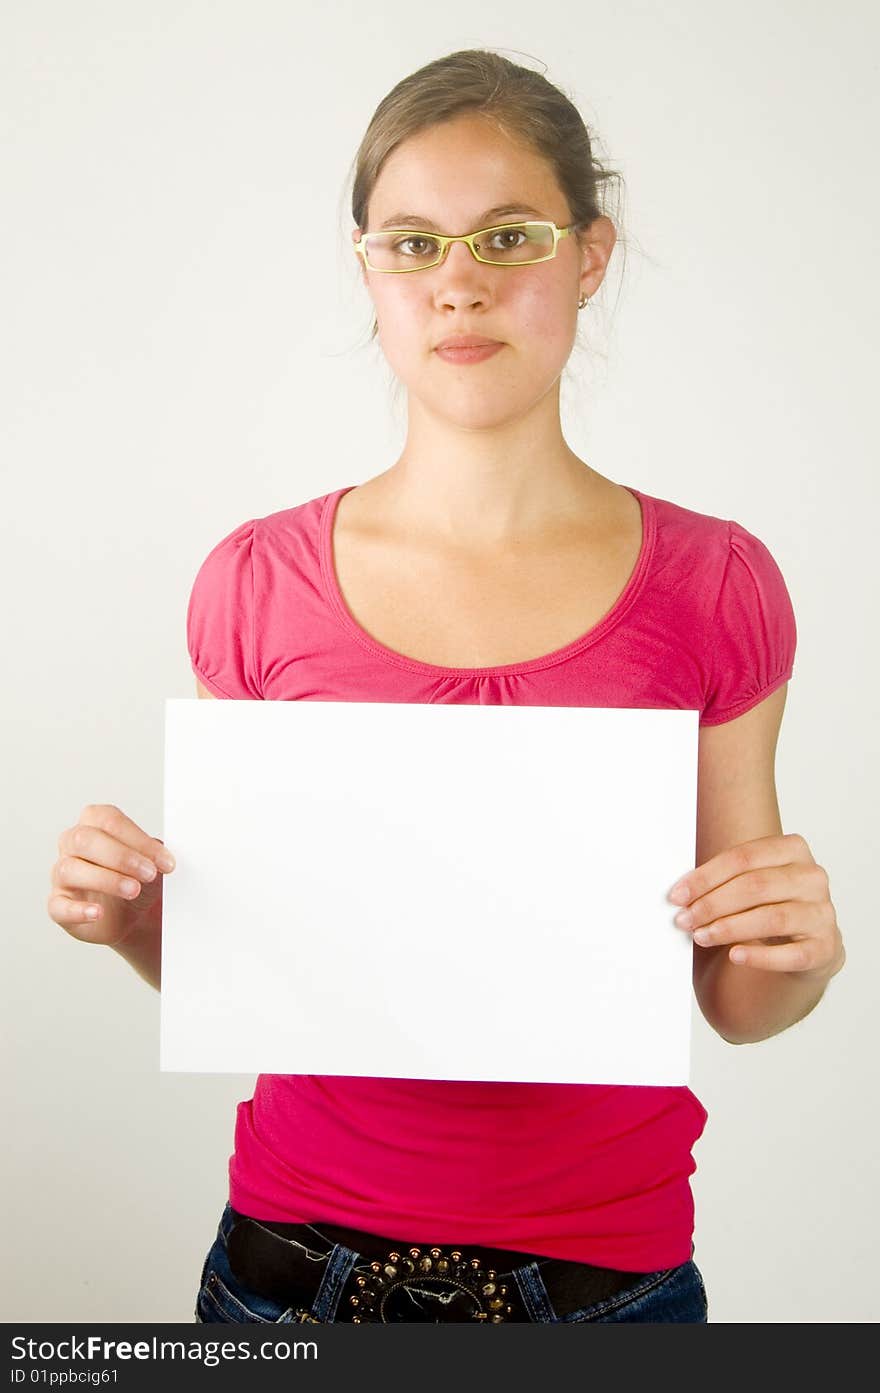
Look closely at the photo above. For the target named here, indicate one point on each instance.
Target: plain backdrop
(185, 346)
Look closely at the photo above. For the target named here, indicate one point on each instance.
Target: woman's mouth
(452, 353)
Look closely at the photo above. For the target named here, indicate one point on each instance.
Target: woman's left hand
(770, 899)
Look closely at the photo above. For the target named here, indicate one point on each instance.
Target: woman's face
(450, 175)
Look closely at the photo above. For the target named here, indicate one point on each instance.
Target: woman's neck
(487, 488)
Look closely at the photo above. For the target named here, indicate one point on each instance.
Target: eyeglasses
(404, 249)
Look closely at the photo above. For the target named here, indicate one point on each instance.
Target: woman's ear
(355, 231)
(596, 243)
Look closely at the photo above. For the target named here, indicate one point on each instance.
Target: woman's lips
(468, 355)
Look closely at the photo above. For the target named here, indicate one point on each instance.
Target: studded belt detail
(435, 1280)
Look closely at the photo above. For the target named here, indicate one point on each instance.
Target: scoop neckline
(609, 620)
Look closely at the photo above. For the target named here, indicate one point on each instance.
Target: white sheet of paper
(427, 891)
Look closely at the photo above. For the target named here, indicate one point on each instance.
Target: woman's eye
(509, 232)
(423, 244)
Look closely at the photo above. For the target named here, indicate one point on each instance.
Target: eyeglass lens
(513, 244)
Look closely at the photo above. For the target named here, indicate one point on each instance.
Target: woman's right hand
(108, 861)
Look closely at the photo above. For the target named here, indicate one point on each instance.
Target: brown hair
(519, 100)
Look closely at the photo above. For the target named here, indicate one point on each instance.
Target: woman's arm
(737, 803)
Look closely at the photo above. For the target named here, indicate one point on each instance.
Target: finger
(112, 839)
(738, 860)
(72, 873)
(112, 820)
(775, 885)
(783, 921)
(804, 956)
(72, 915)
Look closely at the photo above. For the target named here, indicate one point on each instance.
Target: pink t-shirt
(591, 1173)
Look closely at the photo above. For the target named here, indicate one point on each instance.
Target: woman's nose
(461, 273)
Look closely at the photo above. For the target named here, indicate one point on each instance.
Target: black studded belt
(403, 1281)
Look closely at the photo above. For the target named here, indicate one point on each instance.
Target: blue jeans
(674, 1294)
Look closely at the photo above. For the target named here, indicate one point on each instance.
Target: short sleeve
(220, 618)
(752, 634)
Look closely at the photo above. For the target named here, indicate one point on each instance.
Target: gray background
(178, 345)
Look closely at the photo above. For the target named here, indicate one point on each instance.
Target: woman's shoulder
(687, 523)
(710, 539)
(707, 545)
(280, 532)
(296, 517)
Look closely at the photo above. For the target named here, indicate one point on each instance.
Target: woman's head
(465, 134)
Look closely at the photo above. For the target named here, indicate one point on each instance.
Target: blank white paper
(427, 891)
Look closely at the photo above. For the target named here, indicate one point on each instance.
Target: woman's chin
(472, 409)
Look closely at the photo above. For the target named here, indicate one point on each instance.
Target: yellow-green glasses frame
(469, 238)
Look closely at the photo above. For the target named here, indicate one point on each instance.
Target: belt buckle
(473, 1293)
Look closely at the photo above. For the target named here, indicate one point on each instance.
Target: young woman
(490, 564)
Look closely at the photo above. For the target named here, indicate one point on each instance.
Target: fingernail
(679, 894)
(165, 861)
